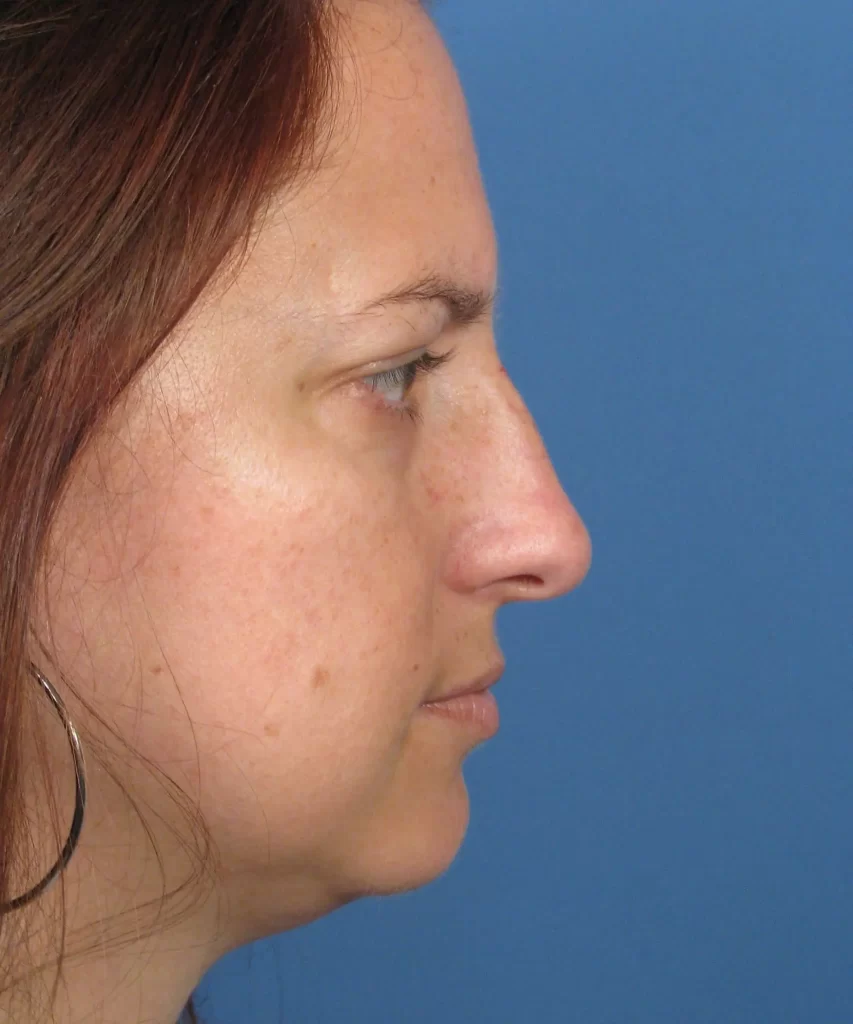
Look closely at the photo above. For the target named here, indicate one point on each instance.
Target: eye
(395, 384)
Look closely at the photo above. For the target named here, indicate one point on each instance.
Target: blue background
(663, 830)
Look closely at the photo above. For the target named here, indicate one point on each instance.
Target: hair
(139, 143)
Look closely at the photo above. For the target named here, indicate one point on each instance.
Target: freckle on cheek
(270, 729)
(156, 670)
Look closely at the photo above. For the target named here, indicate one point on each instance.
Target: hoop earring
(79, 805)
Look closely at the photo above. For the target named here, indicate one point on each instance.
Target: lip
(479, 685)
(472, 706)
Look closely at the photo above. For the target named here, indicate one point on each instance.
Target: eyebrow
(465, 305)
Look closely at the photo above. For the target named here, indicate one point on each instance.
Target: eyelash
(406, 376)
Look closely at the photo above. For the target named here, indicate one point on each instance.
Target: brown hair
(138, 144)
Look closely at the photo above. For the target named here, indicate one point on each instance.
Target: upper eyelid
(378, 366)
(425, 362)
(403, 359)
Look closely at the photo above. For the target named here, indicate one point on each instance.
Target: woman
(265, 483)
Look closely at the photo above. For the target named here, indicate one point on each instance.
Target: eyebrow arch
(465, 305)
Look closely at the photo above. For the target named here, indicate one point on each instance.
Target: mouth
(472, 706)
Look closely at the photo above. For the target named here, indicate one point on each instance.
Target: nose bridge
(518, 463)
(526, 537)
(518, 420)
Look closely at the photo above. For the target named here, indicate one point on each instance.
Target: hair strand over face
(138, 144)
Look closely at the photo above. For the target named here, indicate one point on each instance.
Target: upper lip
(478, 685)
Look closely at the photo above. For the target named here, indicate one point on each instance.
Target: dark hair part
(139, 142)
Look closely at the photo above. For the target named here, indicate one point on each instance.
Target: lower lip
(477, 711)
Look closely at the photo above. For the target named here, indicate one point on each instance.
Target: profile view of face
(299, 526)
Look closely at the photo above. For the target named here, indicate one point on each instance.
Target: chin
(419, 848)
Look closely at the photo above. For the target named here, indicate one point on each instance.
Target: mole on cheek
(320, 677)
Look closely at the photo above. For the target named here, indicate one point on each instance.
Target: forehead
(398, 193)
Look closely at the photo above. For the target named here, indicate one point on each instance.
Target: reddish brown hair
(138, 143)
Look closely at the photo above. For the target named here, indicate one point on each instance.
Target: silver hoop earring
(79, 805)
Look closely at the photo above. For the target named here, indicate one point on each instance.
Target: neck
(122, 960)
(102, 944)
(147, 983)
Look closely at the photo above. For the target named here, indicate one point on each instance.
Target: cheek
(298, 643)
(301, 609)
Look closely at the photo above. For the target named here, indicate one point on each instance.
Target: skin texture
(265, 566)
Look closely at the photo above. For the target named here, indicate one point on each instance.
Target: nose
(522, 539)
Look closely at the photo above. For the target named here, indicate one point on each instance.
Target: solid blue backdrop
(663, 829)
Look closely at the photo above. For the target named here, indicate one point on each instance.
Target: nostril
(528, 581)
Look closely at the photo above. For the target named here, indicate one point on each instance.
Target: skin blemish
(433, 493)
(271, 729)
(320, 677)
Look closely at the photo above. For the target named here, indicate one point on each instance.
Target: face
(299, 527)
